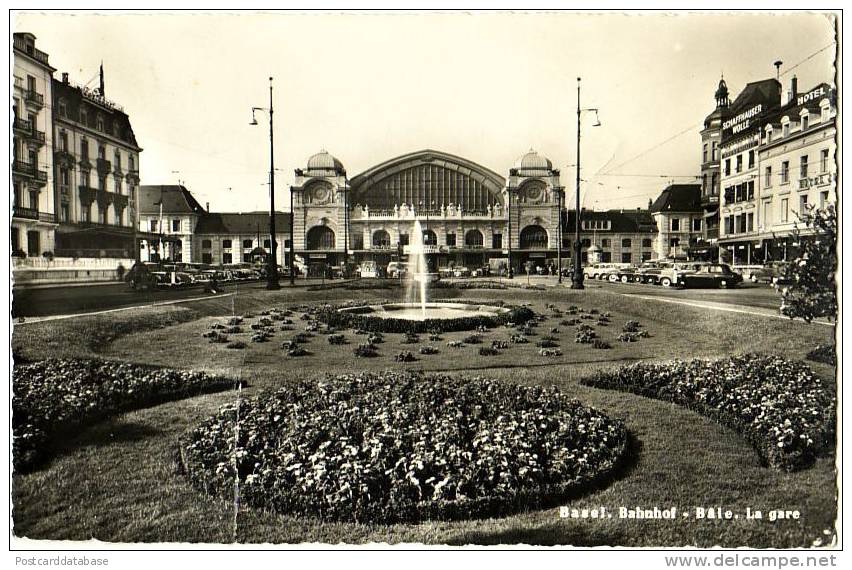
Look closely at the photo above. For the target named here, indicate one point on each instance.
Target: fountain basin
(409, 317)
(415, 311)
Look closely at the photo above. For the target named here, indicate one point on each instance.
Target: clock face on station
(320, 194)
(534, 192)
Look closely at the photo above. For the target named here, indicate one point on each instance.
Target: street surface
(63, 300)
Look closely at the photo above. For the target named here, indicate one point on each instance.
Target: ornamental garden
(331, 425)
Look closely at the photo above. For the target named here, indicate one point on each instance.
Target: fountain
(416, 305)
(417, 278)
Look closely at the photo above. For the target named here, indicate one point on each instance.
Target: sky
(370, 86)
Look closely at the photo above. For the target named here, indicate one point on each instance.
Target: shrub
(218, 337)
(297, 350)
(286, 327)
(410, 338)
(52, 397)
(825, 353)
(398, 447)
(570, 322)
(365, 351)
(233, 330)
(300, 338)
(233, 321)
(631, 327)
(236, 344)
(585, 336)
(473, 339)
(628, 337)
(518, 339)
(428, 350)
(455, 344)
(780, 406)
(488, 351)
(546, 343)
(260, 337)
(812, 289)
(499, 344)
(434, 337)
(404, 356)
(601, 344)
(482, 329)
(554, 330)
(375, 338)
(549, 352)
(217, 326)
(336, 339)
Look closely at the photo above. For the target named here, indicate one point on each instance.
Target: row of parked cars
(667, 274)
(150, 275)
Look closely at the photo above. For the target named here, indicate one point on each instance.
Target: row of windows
(739, 192)
(626, 257)
(98, 123)
(247, 244)
(84, 152)
(804, 122)
(711, 152)
(175, 225)
(739, 163)
(676, 226)
(625, 243)
(803, 168)
(742, 223)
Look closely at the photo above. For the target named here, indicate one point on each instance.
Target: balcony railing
(30, 50)
(28, 169)
(29, 131)
(34, 97)
(104, 165)
(33, 214)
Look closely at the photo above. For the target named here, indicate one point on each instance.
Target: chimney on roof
(208, 206)
(65, 78)
(794, 88)
(778, 65)
(102, 80)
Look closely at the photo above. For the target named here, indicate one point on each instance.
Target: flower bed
(55, 396)
(332, 316)
(825, 353)
(396, 447)
(777, 404)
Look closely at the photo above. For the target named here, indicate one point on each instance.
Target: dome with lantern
(533, 164)
(324, 164)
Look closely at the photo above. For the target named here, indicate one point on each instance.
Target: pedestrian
(120, 271)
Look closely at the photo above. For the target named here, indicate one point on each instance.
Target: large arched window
(320, 237)
(533, 237)
(429, 238)
(381, 238)
(473, 238)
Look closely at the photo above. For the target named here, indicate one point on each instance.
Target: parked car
(712, 275)
(483, 271)
(396, 270)
(772, 273)
(461, 272)
(625, 275)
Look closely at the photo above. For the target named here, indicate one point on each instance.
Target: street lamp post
(291, 266)
(509, 271)
(577, 279)
(559, 238)
(272, 260)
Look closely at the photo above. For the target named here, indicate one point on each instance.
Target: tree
(810, 289)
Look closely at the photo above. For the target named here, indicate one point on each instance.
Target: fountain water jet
(417, 277)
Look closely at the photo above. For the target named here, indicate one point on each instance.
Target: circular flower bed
(398, 447)
(779, 405)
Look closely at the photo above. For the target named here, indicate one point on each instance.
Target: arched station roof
(432, 177)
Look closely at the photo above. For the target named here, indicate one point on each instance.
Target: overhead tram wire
(813, 55)
(653, 148)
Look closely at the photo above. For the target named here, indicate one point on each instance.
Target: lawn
(116, 481)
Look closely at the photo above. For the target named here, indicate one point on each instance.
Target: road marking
(29, 320)
(716, 307)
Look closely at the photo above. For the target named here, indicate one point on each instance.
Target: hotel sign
(811, 95)
(741, 121)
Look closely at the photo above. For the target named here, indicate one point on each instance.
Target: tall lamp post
(290, 263)
(559, 237)
(272, 260)
(509, 216)
(577, 280)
